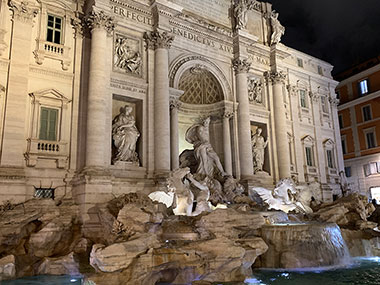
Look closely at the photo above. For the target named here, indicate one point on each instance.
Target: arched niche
(185, 63)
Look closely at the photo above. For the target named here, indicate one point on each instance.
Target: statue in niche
(344, 185)
(208, 161)
(258, 150)
(255, 91)
(125, 136)
(278, 30)
(127, 58)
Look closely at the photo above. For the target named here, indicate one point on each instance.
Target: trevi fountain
(197, 158)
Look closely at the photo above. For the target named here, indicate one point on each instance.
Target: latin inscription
(201, 40)
(216, 10)
(127, 14)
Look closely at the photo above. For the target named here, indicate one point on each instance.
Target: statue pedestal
(126, 164)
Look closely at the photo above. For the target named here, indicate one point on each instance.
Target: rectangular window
(300, 62)
(320, 71)
(330, 159)
(325, 107)
(48, 124)
(370, 138)
(309, 156)
(54, 29)
(303, 98)
(367, 114)
(341, 125)
(363, 87)
(344, 146)
(347, 170)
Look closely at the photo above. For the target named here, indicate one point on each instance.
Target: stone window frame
(311, 172)
(360, 88)
(43, 149)
(300, 62)
(324, 104)
(370, 130)
(308, 141)
(320, 70)
(45, 49)
(307, 103)
(329, 145)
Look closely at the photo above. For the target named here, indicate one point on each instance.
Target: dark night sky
(341, 32)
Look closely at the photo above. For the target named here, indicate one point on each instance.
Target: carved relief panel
(127, 55)
(255, 91)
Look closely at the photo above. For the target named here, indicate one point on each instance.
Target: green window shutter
(52, 131)
(48, 124)
(44, 117)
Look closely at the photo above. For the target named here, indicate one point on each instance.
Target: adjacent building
(359, 119)
(68, 68)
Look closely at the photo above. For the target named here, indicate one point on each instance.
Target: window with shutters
(48, 124)
(49, 131)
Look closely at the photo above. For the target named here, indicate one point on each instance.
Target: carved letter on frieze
(100, 19)
(255, 90)
(22, 11)
(127, 56)
(158, 39)
(241, 65)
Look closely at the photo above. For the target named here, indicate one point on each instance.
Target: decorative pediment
(301, 84)
(49, 94)
(328, 142)
(308, 139)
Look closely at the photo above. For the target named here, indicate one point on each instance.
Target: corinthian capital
(275, 76)
(334, 101)
(22, 11)
(292, 89)
(241, 65)
(175, 104)
(156, 39)
(100, 20)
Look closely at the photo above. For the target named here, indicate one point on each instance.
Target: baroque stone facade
(68, 67)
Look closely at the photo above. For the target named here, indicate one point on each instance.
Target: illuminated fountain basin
(302, 245)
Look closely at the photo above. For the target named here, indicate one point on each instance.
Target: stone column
(174, 143)
(227, 142)
(161, 42)
(278, 79)
(96, 150)
(241, 68)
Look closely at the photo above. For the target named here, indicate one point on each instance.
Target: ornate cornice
(101, 20)
(156, 39)
(175, 104)
(275, 76)
(241, 65)
(23, 11)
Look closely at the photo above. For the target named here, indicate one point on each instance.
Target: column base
(92, 186)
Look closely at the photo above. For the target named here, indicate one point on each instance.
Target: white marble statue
(241, 14)
(125, 136)
(255, 91)
(278, 30)
(180, 196)
(208, 161)
(125, 57)
(284, 197)
(258, 150)
(344, 185)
